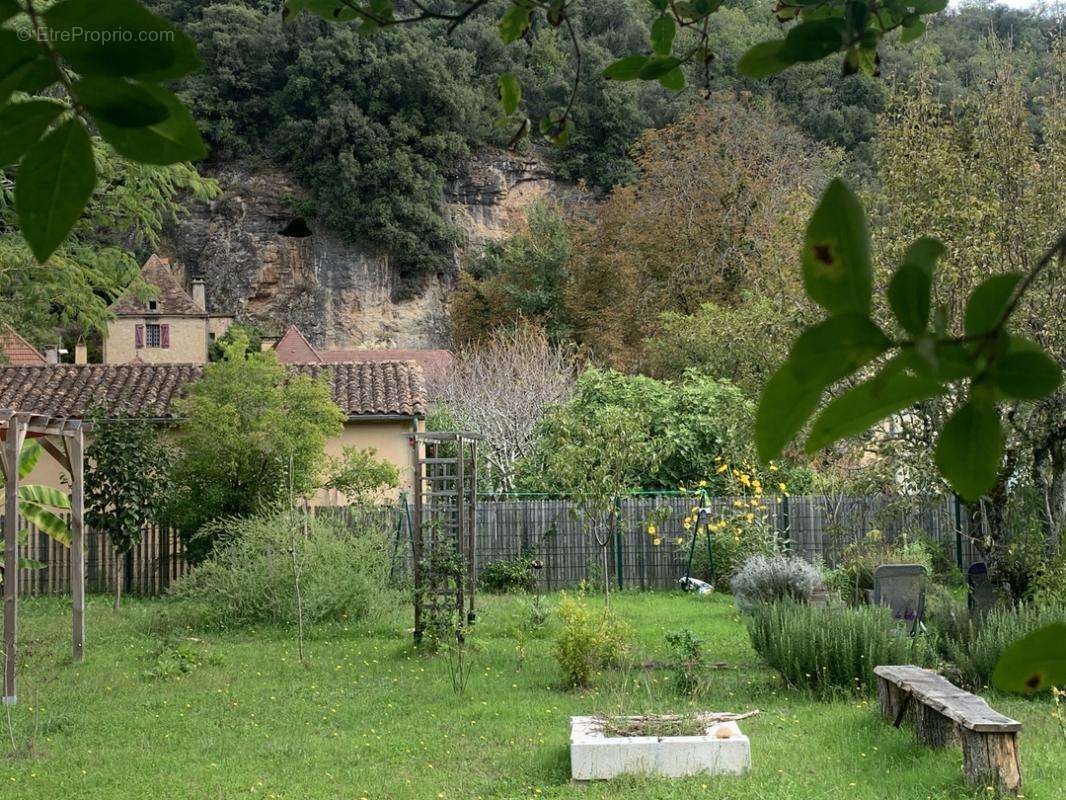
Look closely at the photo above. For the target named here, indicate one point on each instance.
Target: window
(153, 305)
(153, 336)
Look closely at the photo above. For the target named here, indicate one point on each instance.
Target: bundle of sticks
(694, 724)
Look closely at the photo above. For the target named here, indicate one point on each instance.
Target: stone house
(166, 325)
(383, 402)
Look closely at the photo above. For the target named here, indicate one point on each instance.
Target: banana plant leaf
(47, 521)
(44, 496)
(28, 458)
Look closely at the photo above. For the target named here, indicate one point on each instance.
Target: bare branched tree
(502, 387)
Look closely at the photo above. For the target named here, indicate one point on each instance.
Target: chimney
(81, 353)
(51, 354)
(199, 293)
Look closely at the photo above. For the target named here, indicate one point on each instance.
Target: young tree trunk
(120, 563)
(606, 577)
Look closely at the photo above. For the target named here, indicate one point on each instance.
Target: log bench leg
(933, 729)
(890, 697)
(991, 759)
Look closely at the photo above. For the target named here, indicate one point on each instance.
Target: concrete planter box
(594, 756)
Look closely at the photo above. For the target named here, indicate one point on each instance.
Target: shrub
(765, 579)
(248, 579)
(686, 660)
(729, 553)
(1049, 587)
(831, 649)
(976, 646)
(590, 640)
(514, 575)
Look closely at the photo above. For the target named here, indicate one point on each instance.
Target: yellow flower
(738, 503)
(656, 541)
(702, 484)
(773, 467)
(721, 469)
(651, 530)
(749, 516)
(679, 540)
(782, 487)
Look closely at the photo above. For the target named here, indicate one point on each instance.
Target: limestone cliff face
(264, 263)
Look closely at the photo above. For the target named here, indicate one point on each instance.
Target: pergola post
(75, 446)
(12, 446)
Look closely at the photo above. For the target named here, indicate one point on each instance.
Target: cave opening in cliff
(296, 228)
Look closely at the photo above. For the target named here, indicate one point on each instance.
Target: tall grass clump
(828, 650)
(769, 579)
(275, 568)
(975, 647)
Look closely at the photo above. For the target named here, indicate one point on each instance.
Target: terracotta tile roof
(17, 351)
(171, 298)
(67, 390)
(293, 348)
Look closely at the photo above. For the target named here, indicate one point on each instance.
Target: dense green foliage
(126, 479)
(590, 640)
(975, 646)
(373, 126)
(250, 578)
(682, 426)
(831, 649)
(66, 299)
(252, 435)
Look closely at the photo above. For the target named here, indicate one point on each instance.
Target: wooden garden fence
(813, 527)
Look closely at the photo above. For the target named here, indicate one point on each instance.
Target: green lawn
(366, 716)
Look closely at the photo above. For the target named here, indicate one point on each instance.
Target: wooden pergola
(64, 440)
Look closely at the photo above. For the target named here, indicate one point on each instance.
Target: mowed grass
(366, 716)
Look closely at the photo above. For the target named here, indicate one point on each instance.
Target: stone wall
(266, 264)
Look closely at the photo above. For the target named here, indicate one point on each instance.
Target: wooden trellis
(64, 440)
(444, 528)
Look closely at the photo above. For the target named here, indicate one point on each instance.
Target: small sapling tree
(128, 465)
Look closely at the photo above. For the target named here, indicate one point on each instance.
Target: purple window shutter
(138, 336)
(164, 336)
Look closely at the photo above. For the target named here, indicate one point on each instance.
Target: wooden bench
(944, 714)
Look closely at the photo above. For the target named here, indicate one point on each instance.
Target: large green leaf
(836, 348)
(626, 69)
(1027, 374)
(786, 403)
(48, 522)
(1034, 663)
(510, 92)
(663, 31)
(765, 59)
(868, 403)
(514, 22)
(120, 38)
(836, 254)
(23, 67)
(28, 458)
(22, 125)
(44, 496)
(814, 40)
(174, 139)
(120, 102)
(988, 302)
(55, 180)
(658, 66)
(8, 9)
(911, 286)
(970, 449)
